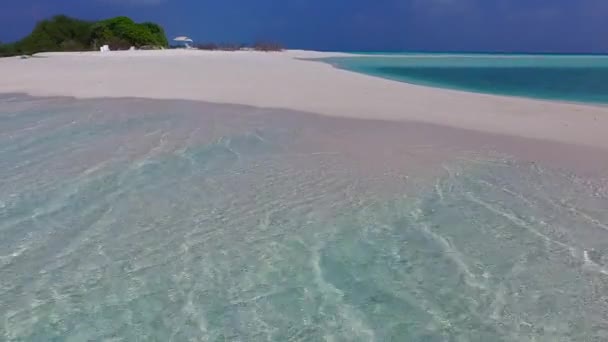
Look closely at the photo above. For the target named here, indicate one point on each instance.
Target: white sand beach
(285, 80)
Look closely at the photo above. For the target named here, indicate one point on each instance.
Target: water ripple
(167, 227)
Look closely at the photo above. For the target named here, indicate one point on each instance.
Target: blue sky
(437, 25)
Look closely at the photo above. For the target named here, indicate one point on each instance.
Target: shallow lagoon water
(577, 78)
(171, 221)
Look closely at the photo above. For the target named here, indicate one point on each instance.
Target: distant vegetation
(62, 33)
(121, 33)
(220, 46)
(260, 46)
(267, 46)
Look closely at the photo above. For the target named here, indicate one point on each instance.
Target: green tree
(158, 32)
(123, 29)
(49, 35)
(62, 33)
(7, 50)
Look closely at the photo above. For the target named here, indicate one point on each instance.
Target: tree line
(62, 33)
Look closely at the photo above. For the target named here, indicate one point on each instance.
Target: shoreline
(440, 141)
(293, 80)
(471, 91)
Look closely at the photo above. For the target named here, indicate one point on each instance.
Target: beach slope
(291, 80)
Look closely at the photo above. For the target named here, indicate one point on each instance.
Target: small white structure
(184, 40)
(104, 48)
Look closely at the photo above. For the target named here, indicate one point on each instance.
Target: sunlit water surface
(137, 220)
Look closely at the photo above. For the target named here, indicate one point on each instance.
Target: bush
(220, 47)
(115, 43)
(71, 45)
(206, 46)
(236, 47)
(52, 35)
(230, 47)
(7, 50)
(62, 33)
(267, 46)
(124, 29)
(158, 33)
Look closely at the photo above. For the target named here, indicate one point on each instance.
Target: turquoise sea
(142, 220)
(578, 78)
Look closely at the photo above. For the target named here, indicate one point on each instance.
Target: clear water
(171, 221)
(577, 78)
